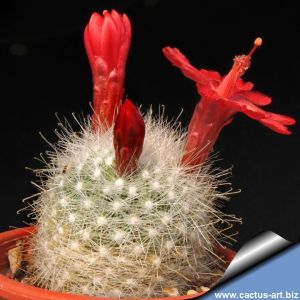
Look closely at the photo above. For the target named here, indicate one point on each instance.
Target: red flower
(221, 98)
(107, 41)
(129, 133)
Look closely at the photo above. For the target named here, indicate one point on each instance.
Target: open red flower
(221, 98)
(129, 133)
(107, 40)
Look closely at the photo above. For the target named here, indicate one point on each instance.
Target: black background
(44, 69)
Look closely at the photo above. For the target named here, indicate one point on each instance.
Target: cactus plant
(129, 207)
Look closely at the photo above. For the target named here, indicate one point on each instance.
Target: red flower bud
(107, 41)
(129, 133)
(221, 98)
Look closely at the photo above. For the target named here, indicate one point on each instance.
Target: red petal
(118, 22)
(180, 61)
(110, 41)
(246, 107)
(94, 30)
(202, 76)
(205, 90)
(212, 75)
(129, 133)
(275, 126)
(125, 42)
(244, 86)
(286, 120)
(276, 122)
(255, 97)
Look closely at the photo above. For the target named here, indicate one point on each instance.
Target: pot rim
(14, 288)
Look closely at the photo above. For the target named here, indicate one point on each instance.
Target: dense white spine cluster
(103, 235)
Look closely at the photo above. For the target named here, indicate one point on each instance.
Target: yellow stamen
(257, 43)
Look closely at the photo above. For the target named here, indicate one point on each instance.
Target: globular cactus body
(101, 234)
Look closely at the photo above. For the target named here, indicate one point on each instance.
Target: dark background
(44, 69)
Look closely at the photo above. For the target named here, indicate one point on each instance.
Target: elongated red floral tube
(221, 98)
(107, 41)
(129, 133)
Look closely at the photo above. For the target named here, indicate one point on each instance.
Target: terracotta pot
(14, 290)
